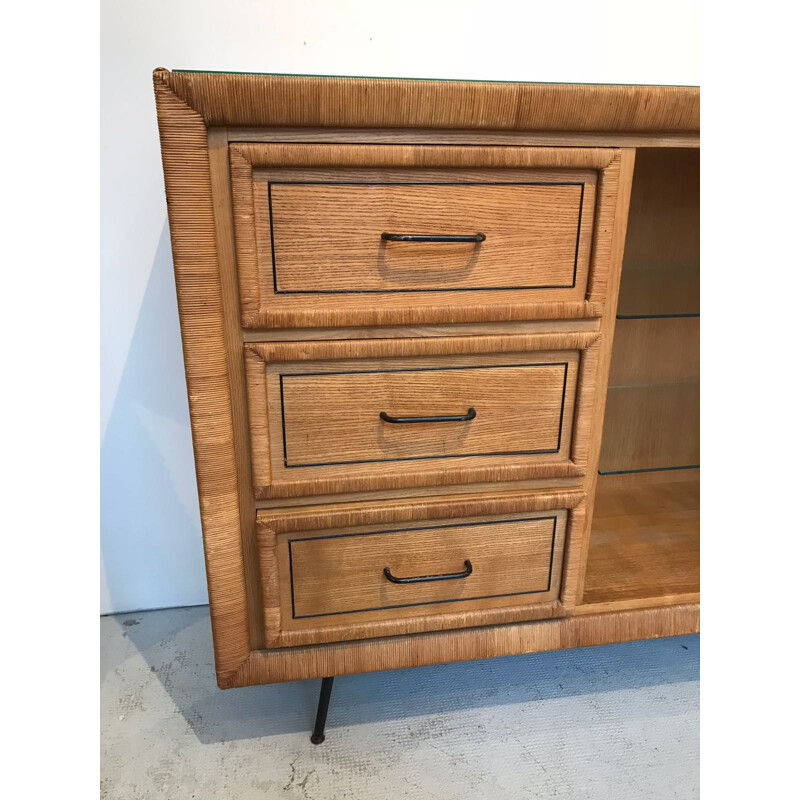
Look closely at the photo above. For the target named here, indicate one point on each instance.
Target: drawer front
(329, 235)
(427, 574)
(338, 417)
(425, 412)
(408, 567)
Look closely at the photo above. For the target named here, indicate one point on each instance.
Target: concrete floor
(615, 722)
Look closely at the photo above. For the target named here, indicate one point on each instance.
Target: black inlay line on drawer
(657, 316)
(557, 448)
(295, 615)
(645, 469)
(270, 184)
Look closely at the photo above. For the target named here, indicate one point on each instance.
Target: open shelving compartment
(644, 547)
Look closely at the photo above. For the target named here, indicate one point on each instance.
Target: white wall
(150, 525)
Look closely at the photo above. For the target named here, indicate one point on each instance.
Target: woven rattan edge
(187, 177)
(189, 103)
(298, 100)
(398, 652)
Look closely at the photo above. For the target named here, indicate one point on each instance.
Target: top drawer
(383, 234)
(342, 238)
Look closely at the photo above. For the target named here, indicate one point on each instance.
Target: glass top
(445, 80)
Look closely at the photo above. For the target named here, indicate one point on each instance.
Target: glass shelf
(651, 427)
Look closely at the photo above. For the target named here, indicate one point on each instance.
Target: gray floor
(613, 722)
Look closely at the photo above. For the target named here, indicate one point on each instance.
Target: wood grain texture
(276, 472)
(342, 515)
(331, 587)
(409, 331)
(334, 417)
(370, 516)
(661, 270)
(312, 264)
(578, 545)
(649, 352)
(423, 491)
(651, 427)
(326, 237)
(430, 128)
(575, 548)
(220, 187)
(434, 136)
(315, 156)
(398, 652)
(248, 99)
(652, 411)
(344, 573)
(653, 408)
(184, 151)
(645, 540)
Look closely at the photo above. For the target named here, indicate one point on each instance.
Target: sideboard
(442, 406)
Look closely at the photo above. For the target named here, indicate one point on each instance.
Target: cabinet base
(399, 652)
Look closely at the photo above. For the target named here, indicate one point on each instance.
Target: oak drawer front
(332, 235)
(339, 238)
(357, 420)
(407, 567)
(373, 580)
(430, 412)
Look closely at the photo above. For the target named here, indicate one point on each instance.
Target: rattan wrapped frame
(188, 105)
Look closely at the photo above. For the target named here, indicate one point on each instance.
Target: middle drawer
(345, 416)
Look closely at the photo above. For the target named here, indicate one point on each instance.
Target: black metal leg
(318, 736)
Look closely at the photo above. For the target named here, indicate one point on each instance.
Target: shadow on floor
(176, 647)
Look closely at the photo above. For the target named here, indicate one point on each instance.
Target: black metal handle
(421, 237)
(471, 414)
(424, 578)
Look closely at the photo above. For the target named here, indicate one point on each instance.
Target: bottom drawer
(334, 575)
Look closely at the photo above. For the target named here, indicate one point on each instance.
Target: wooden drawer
(425, 410)
(351, 416)
(319, 233)
(419, 569)
(330, 237)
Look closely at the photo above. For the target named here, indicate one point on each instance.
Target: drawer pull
(471, 414)
(424, 578)
(421, 237)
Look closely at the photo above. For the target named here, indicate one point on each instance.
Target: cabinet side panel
(578, 546)
(184, 149)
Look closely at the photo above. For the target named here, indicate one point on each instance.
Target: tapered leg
(318, 736)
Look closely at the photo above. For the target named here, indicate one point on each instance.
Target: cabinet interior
(646, 527)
